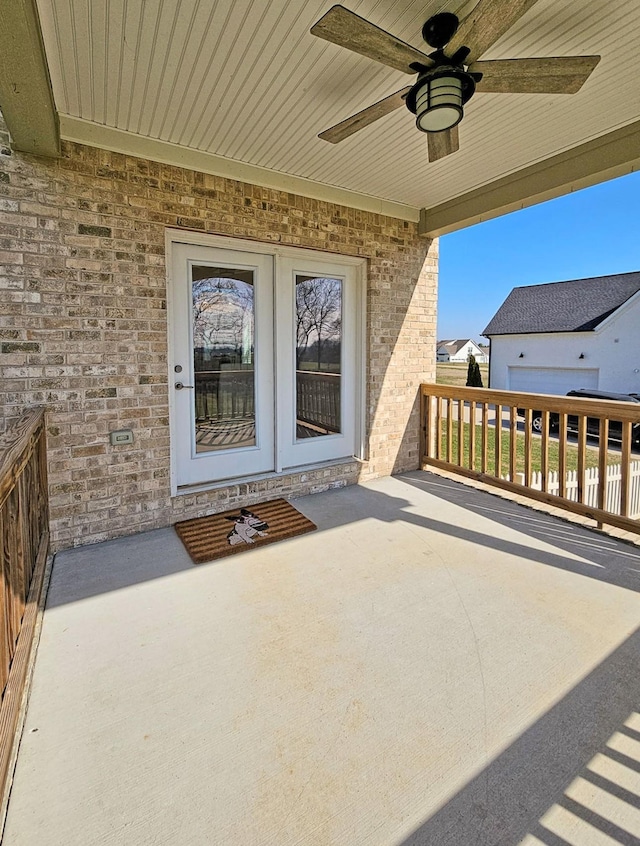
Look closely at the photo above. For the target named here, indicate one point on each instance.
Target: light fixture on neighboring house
(521, 355)
(581, 355)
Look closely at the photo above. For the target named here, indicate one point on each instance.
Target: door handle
(179, 386)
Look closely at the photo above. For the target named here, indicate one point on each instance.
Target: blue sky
(593, 232)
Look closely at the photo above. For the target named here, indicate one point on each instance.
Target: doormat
(218, 535)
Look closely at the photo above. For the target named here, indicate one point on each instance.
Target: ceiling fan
(449, 76)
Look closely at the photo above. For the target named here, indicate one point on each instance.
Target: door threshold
(202, 487)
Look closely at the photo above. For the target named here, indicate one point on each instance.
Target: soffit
(244, 80)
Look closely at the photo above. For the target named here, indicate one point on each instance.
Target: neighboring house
(460, 350)
(561, 336)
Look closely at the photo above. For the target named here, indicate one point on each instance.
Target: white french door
(222, 369)
(264, 364)
(316, 354)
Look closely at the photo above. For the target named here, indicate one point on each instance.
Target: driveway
(435, 665)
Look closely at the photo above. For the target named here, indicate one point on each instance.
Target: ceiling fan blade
(345, 28)
(367, 116)
(487, 22)
(441, 144)
(565, 75)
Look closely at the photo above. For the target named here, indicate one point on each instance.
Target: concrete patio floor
(435, 665)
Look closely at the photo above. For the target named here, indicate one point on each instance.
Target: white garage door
(551, 380)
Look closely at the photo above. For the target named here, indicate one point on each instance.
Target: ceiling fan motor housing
(438, 96)
(440, 29)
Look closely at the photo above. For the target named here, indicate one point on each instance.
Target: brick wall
(83, 326)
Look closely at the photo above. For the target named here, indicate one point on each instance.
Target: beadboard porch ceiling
(244, 80)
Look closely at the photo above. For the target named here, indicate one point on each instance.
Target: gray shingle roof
(578, 305)
(455, 345)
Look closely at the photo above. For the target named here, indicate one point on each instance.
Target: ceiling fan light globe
(439, 119)
(439, 103)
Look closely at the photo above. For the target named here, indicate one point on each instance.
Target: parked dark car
(593, 423)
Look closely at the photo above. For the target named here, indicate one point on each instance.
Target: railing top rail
(612, 410)
(16, 446)
(247, 371)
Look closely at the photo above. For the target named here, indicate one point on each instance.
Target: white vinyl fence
(614, 477)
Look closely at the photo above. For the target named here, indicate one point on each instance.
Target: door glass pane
(223, 358)
(318, 356)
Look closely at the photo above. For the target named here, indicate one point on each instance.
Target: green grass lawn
(455, 373)
(536, 451)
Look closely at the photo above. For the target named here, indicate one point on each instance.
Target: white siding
(463, 353)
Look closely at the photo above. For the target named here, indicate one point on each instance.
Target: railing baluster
(527, 447)
(497, 434)
(582, 455)
(5, 594)
(485, 436)
(431, 424)
(603, 449)
(460, 433)
(562, 454)
(625, 461)
(449, 430)
(425, 405)
(544, 451)
(472, 434)
(439, 428)
(15, 551)
(25, 563)
(513, 443)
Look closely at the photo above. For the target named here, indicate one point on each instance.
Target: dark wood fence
(318, 399)
(229, 395)
(550, 448)
(24, 534)
(224, 394)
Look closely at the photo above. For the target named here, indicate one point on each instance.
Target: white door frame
(177, 236)
(292, 452)
(199, 467)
